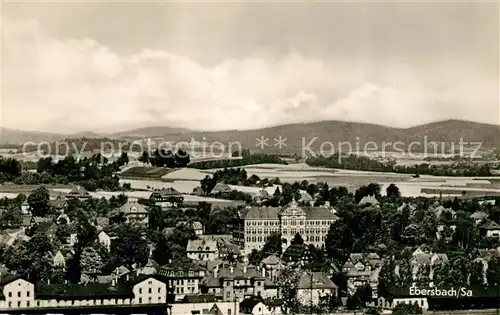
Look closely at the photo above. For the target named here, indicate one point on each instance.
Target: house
(62, 256)
(368, 201)
(197, 226)
(305, 197)
(490, 229)
(202, 249)
(272, 266)
(79, 192)
(234, 283)
(59, 204)
(19, 293)
(59, 260)
(134, 212)
(25, 208)
(358, 270)
(183, 278)
(221, 189)
(478, 217)
(204, 304)
(312, 223)
(167, 198)
(104, 239)
(313, 286)
(255, 306)
(391, 297)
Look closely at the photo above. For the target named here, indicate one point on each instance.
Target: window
(37, 303)
(10, 294)
(28, 304)
(18, 294)
(28, 294)
(140, 291)
(159, 290)
(150, 291)
(10, 304)
(150, 282)
(19, 304)
(140, 300)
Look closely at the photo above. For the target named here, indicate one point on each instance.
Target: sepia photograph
(249, 157)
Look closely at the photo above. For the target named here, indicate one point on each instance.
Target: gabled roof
(79, 191)
(479, 215)
(490, 225)
(271, 260)
(368, 200)
(201, 246)
(132, 207)
(315, 280)
(167, 192)
(221, 187)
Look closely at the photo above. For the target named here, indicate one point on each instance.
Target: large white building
(20, 293)
(312, 223)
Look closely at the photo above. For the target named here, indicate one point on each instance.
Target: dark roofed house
(167, 198)
(479, 216)
(490, 229)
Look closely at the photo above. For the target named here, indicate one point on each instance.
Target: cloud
(67, 85)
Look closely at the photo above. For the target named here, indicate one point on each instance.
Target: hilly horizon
(297, 134)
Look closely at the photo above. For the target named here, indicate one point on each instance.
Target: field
(145, 172)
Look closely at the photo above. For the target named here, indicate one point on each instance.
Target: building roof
(201, 246)
(78, 291)
(315, 280)
(199, 298)
(271, 260)
(479, 215)
(272, 213)
(368, 200)
(167, 192)
(79, 191)
(490, 225)
(220, 187)
(132, 207)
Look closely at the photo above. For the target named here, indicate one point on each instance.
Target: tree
(392, 191)
(297, 240)
(129, 247)
(144, 158)
(90, 261)
(162, 253)
(38, 201)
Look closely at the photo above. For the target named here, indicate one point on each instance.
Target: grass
(145, 172)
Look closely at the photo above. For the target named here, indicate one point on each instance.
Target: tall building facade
(312, 223)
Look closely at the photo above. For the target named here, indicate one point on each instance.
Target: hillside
(298, 135)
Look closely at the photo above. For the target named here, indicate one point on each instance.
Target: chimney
(263, 271)
(245, 269)
(216, 271)
(113, 282)
(48, 281)
(231, 269)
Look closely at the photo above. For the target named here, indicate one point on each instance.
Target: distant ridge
(448, 131)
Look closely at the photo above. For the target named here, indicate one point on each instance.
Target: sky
(109, 66)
